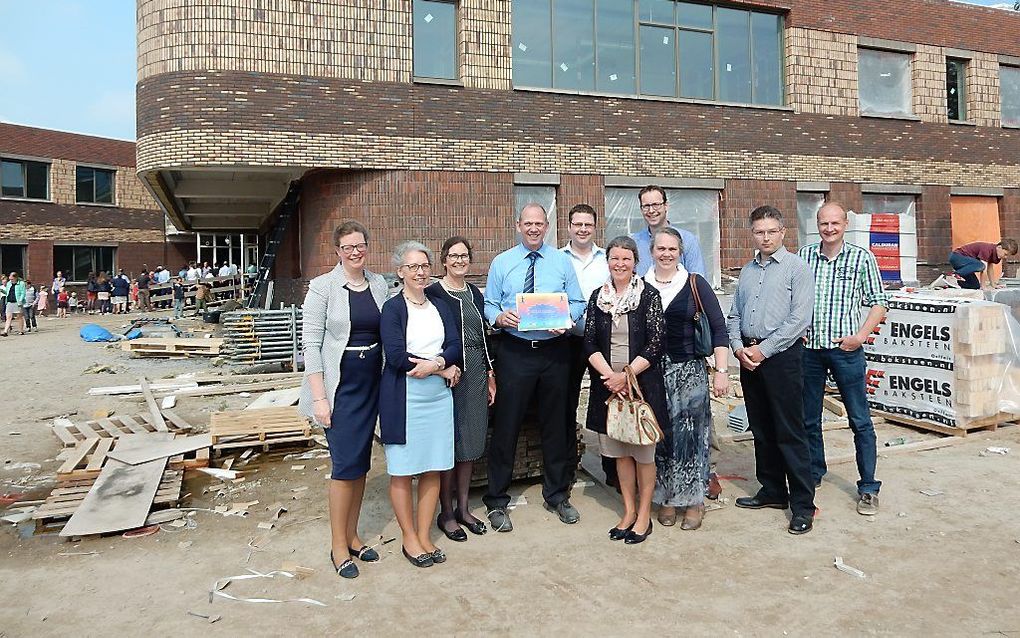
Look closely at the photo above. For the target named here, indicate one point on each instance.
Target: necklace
(662, 283)
(450, 287)
(417, 303)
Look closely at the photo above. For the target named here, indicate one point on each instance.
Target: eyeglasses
(417, 267)
(348, 249)
(583, 225)
(767, 233)
(458, 256)
(653, 206)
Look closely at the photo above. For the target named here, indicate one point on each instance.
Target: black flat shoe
(438, 556)
(347, 569)
(477, 528)
(617, 534)
(634, 538)
(801, 524)
(458, 535)
(366, 554)
(756, 503)
(422, 560)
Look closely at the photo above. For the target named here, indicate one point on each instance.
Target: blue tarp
(94, 332)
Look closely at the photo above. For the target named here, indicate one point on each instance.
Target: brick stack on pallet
(528, 462)
(980, 352)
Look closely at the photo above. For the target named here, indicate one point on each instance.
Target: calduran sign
(910, 360)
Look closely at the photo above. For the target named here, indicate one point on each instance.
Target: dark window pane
(616, 47)
(532, 40)
(954, 90)
(104, 186)
(1009, 81)
(82, 263)
(697, 75)
(698, 16)
(574, 49)
(435, 39)
(766, 59)
(656, 11)
(104, 259)
(12, 179)
(733, 45)
(37, 180)
(63, 259)
(658, 61)
(85, 189)
(12, 259)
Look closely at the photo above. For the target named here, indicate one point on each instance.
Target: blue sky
(70, 64)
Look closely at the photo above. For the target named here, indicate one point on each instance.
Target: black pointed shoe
(633, 538)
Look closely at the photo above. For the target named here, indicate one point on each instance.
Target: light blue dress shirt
(691, 257)
(553, 273)
(592, 271)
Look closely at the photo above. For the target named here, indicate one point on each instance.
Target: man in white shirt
(225, 270)
(592, 268)
(193, 272)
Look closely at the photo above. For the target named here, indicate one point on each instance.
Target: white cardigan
(326, 329)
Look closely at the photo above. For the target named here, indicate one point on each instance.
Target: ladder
(288, 207)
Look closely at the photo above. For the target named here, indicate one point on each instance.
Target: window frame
(24, 161)
(639, 22)
(910, 55)
(113, 184)
(457, 70)
(69, 272)
(961, 88)
(1014, 68)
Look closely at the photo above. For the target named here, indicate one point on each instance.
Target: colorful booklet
(543, 311)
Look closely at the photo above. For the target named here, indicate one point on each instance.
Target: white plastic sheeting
(884, 82)
(544, 195)
(1009, 91)
(691, 209)
(807, 217)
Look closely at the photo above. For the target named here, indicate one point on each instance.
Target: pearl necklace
(450, 287)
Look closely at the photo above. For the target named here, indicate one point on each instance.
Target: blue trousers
(848, 369)
(967, 267)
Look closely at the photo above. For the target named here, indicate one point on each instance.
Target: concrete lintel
(26, 158)
(623, 181)
(892, 189)
(537, 179)
(962, 54)
(886, 45)
(1009, 60)
(813, 187)
(980, 191)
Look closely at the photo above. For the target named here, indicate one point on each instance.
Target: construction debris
(258, 428)
(260, 336)
(838, 563)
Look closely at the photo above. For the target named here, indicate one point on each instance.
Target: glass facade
(682, 49)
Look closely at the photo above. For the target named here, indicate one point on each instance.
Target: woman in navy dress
(343, 365)
(423, 353)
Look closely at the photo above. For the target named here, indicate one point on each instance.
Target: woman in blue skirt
(423, 351)
(343, 364)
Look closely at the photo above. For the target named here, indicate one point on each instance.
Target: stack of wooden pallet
(172, 347)
(262, 427)
(71, 434)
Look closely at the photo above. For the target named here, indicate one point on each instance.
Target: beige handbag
(631, 420)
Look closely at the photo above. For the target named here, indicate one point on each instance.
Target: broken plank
(161, 449)
(157, 416)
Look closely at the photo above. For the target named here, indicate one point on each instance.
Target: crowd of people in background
(105, 293)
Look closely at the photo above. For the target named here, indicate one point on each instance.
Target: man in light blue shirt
(655, 210)
(531, 364)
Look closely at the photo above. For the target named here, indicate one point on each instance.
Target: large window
(1009, 93)
(649, 47)
(808, 205)
(25, 179)
(76, 262)
(889, 230)
(956, 89)
(12, 259)
(884, 82)
(435, 39)
(695, 210)
(94, 185)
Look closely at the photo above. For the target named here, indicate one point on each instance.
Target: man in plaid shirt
(846, 276)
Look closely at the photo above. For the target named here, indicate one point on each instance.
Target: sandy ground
(936, 565)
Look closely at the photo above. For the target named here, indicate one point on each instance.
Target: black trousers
(772, 394)
(578, 366)
(525, 374)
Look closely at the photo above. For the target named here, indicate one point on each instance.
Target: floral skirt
(681, 458)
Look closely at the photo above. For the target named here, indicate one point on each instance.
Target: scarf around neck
(616, 305)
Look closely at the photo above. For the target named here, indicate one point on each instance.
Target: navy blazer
(393, 385)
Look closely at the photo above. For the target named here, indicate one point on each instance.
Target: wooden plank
(87, 430)
(108, 426)
(161, 449)
(134, 426)
(157, 417)
(839, 424)
(834, 405)
(916, 446)
(204, 391)
(65, 435)
(99, 455)
(176, 420)
(156, 386)
(78, 456)
(121, 497)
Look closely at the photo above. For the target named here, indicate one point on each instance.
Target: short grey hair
(540, 207)
(410, 247)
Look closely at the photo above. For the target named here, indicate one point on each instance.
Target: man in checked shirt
(845, 276)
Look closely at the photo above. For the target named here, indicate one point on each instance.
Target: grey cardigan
(326, 329)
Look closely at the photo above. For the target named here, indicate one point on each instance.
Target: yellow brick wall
(928, 70)
(129, 192)
(983, 90)
(62, 233)
(484, 42)
(821, 71)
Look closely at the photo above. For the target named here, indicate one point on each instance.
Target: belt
(536, 344)
(361, 349)
(748, 341)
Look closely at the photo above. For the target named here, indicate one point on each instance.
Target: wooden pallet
(116, 427)
(172, 347)
(258, 428)
(64, 500)
(989, 423)
(87, 458)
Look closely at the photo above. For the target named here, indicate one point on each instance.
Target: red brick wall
(39, 256)
(846, 194)
(1009, 220)
(934, 226)
(740, 197)
(581, 189)
(131, 256)
(179, 253)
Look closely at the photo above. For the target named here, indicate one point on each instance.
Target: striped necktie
(529, 280)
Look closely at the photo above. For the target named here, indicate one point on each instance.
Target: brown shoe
(667, 516)
(693, 516)
(714, 487)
